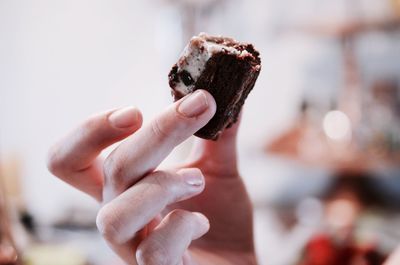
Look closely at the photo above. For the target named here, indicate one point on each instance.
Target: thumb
(220, 155)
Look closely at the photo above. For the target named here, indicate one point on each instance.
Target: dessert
(226, 68)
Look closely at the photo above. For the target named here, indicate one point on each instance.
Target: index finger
(142, 152)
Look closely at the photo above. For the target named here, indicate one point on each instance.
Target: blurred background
(319, 145)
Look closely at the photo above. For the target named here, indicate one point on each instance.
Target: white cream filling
(195, 56)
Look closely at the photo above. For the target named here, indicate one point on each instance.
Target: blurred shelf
(349, 29)
(310, 147)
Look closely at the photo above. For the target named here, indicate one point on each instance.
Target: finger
(171, 238)
(220, 155)
(155, 141)
(8, 254)
(73, 159)
(121, 219)
(394, 258)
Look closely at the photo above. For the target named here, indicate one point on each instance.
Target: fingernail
(192, 177)
(203, 224)
(193, 105)
(124, 118)
(202, 218)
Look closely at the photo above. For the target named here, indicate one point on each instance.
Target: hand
(394, 258)
(150, 216)
(8, 254)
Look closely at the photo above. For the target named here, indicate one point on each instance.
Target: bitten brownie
(224, 67)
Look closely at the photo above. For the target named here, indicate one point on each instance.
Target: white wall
(63, 60)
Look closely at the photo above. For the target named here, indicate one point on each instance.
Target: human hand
(148, 215)
(394, 258)
(8, 255)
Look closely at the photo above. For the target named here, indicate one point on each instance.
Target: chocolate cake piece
(224, 67)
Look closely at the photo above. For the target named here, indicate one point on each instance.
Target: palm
(230, 218)
(226, 204)
(134, 194)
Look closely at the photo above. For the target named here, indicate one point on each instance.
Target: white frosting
(195, 56)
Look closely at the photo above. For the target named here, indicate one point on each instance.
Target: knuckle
(158, 129)
(108, 225)
(58, 160)
(172, 126)
(167, 185)
(113, 171)
(162, 179)
(152, 252)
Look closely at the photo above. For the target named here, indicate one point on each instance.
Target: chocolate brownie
(226, 68)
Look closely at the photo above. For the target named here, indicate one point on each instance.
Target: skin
(8, 254)
(394, 258)
(196, 213)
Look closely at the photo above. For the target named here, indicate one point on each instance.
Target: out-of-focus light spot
(341, 213)
(337, 126)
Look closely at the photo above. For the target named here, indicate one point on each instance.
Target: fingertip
(199, 104)
(190, 182)
(202, 224)
(124, 118)
(210, 100)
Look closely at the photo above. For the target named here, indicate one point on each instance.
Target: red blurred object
(320, 251)
(323, 250)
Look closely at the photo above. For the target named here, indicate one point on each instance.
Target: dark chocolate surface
(229, 79)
